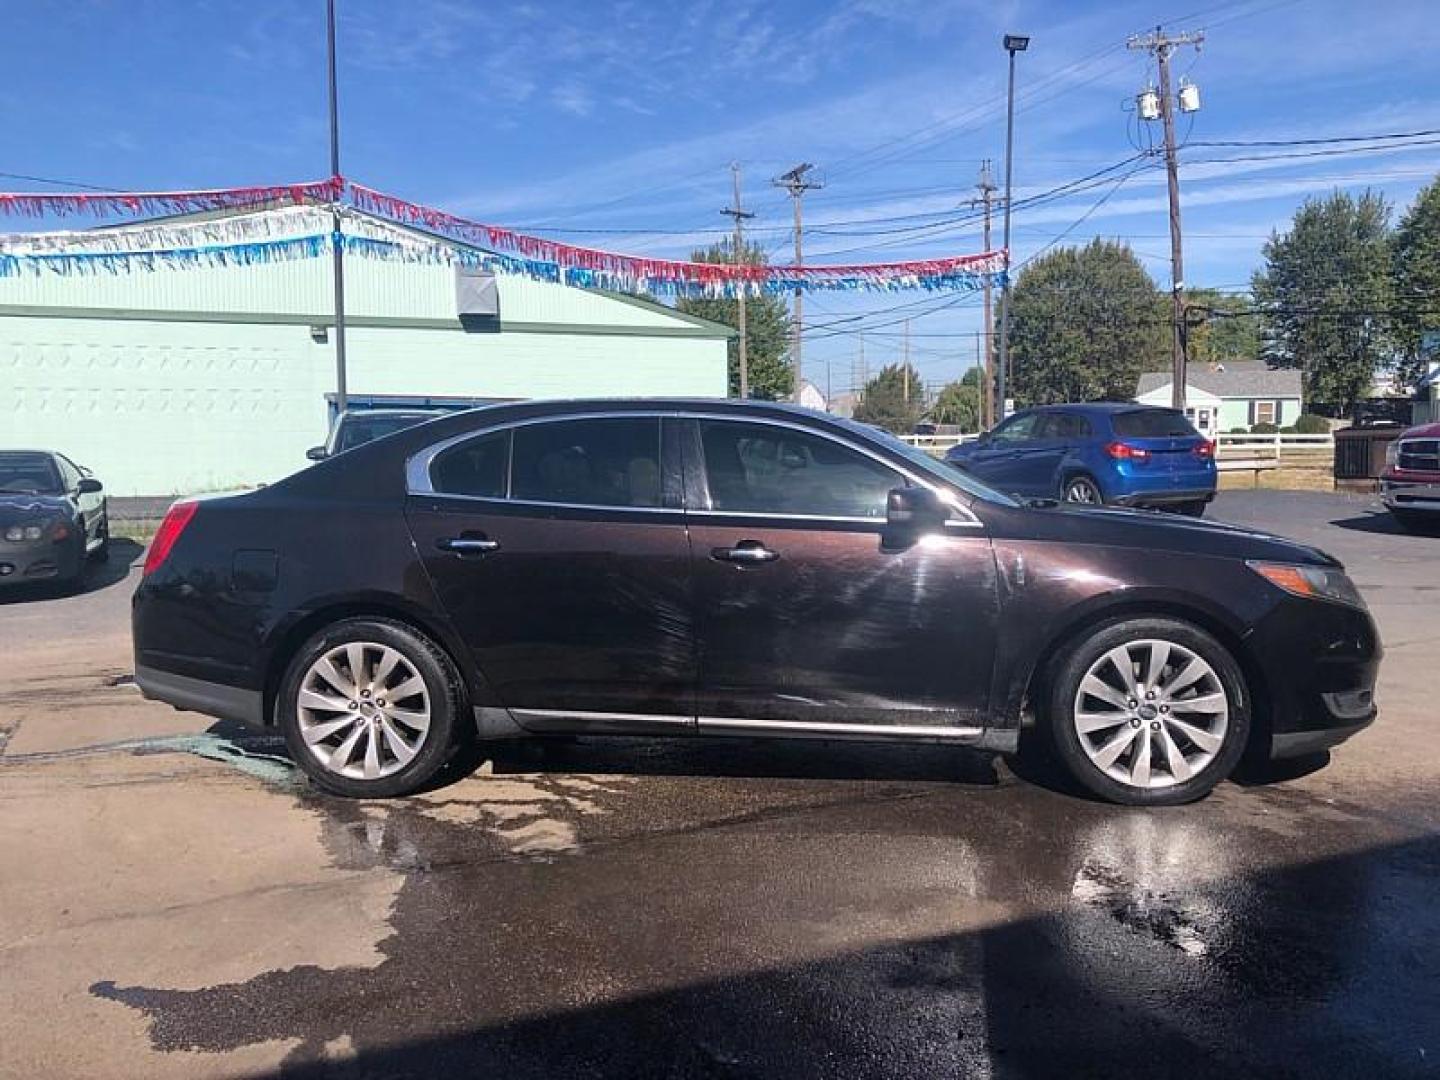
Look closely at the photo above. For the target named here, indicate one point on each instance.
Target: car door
(1000, 460)
(558, 549)
(811, 613)
(1064, 435)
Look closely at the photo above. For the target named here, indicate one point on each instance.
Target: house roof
(1234, 381)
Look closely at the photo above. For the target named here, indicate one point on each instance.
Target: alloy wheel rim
(1080, 491)
(364, 710)
(1151, 713)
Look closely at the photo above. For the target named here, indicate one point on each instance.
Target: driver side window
(69, 474)
(769, 469)
(1020, 429)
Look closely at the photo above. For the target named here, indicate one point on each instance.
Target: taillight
(1125, 452)
(1205, 449)
(176, 519)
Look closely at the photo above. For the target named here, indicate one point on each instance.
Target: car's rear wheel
(371, 708)
(1082, 489)
(1193, 508)
(1148, 711)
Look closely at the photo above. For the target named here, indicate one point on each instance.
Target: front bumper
(1411, 495)
(1318, 663)
(21, 563)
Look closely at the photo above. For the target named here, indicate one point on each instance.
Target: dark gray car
(53, 518)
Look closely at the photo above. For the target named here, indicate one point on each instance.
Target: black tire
(1194, 508)
(1079, 484)
(446, 694)
(1072, 666)
(102, 553)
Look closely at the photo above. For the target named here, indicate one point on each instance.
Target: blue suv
(1126, 454)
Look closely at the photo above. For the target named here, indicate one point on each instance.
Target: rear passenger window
(1068, 426)
(602, 462)
(476, 468)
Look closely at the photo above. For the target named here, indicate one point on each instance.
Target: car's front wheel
(1148, 711)
(371, 708)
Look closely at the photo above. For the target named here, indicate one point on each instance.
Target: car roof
(1105, 407)
(356, 414)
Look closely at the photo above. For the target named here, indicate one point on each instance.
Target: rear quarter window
(1151, 424)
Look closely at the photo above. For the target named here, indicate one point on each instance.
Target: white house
(1224, 397)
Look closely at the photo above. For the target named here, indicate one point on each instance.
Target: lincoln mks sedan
(703, 568)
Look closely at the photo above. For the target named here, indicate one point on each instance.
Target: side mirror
(317, 453)
(915, 510)
(90, 486)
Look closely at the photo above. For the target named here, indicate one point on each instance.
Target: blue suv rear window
(1151, 424)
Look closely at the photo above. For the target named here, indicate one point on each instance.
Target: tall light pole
(1013, 43)
(336, 244)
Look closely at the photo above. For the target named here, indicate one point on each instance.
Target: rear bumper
(1164, 497)
(202, 696)
(1411, 495)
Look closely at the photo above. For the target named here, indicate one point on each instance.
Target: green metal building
(173, 381)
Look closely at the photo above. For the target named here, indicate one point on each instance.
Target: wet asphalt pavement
(708, 908)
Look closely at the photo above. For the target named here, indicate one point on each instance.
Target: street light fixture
(1014, 43)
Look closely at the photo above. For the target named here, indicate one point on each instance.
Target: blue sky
(614, 123)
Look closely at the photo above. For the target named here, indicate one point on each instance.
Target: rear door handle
(746, 553)
(467, 545)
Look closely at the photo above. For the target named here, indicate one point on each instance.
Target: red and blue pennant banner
(132, 203)
(425, 234)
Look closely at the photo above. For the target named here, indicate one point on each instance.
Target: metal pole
(799, 375)
(1177, 266)
(739, 213)
(1003, 358)
(336, 242)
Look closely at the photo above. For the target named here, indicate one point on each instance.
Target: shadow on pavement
(1323, 969)
(798, 759)
(97, 576)
(1382, 524)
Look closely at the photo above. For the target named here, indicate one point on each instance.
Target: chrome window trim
(418, 482)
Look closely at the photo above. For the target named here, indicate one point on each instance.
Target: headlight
(34, 531)
(20, 533)
(1392, 453)
(1311, 582)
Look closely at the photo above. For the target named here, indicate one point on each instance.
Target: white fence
(1227, 446)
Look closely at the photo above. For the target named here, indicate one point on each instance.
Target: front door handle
(467, 545)
(746, 553)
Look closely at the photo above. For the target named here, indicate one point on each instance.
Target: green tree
(1325, 293)
(1085, 322)
(1415, 275)
(767, 329)
(959, 403)
(885, 403)
(1222, 329)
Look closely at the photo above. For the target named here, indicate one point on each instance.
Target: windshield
(29, 474)
(359, 430)
(942, 469)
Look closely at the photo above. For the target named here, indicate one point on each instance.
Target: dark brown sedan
(709, 567)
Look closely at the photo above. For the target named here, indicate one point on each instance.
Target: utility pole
(906, 367)
(741, 215)
(797, 183)
(1013, 43)
(1163, 45)
(336, 241)
(987, 190)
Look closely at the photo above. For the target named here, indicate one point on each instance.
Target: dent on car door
(810, 611)
(560, 553)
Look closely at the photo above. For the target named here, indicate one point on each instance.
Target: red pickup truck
(1410, 484)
